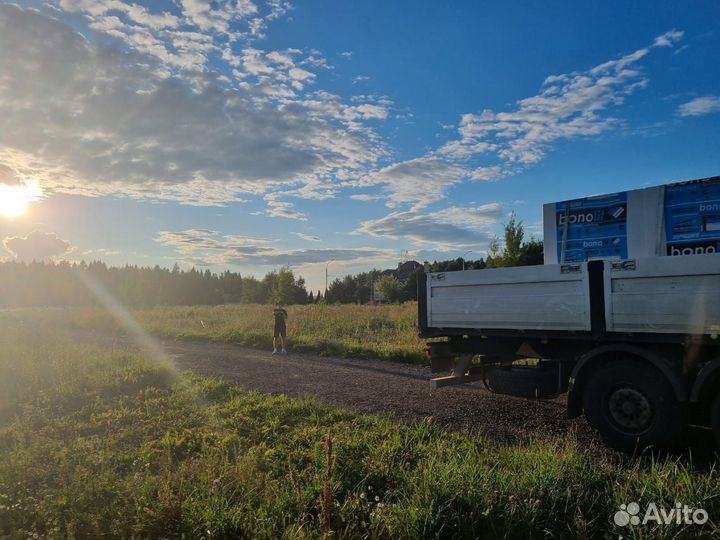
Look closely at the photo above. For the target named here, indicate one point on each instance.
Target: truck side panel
(548, 297)
(677, 295)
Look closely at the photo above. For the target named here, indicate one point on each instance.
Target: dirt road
(382, 387)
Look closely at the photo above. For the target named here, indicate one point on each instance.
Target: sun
(14, 200)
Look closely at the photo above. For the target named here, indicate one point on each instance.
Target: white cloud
(98, 120)
(155, 34)
(194, 240)
(368, 111)
(445, 230)
(668, 39)
(419, 182)
(207, 247)
(365, 197)
(136, 13)
(568, 106)
(329, 105)
(282, 209)
(36, 246)
(307, 237)
(300, 74)
(216, 16)
(487, 173)
(478, 216)
(464, 149)
(700, 106)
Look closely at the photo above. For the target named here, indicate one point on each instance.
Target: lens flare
(14, 200)
(149, 346)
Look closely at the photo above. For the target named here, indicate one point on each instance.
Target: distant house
(406, 269)
(403, 272)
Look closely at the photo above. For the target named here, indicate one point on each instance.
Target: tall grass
(353, 330)
(104, 443)
(386, 331)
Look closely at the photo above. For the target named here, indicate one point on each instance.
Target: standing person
(279, 331)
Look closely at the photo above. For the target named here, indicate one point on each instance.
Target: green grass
(386, 332)
(105, 443)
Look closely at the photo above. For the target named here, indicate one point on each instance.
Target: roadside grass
(387, 331)
(100, 443)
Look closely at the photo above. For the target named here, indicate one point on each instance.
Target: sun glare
(14, 200)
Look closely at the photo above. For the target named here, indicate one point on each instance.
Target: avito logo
(681, 514)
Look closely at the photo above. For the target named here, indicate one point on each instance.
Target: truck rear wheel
(633, 406)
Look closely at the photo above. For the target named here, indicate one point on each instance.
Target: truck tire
(524, 381)
(715, 420)
(633, 406)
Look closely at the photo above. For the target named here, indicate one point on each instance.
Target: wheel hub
(630, 409)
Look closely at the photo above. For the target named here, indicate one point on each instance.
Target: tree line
(75, 284)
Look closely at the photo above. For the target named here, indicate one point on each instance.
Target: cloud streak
(307, 237)
(568, 106)
(445, 230)
(207, 247)
(700, 106)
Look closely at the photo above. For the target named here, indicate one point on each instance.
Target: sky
(252, 134)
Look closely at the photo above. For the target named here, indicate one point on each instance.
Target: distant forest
(66, 284)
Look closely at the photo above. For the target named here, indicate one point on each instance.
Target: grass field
(106, 443)
(388, 331)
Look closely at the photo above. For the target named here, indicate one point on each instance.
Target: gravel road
(380, 387)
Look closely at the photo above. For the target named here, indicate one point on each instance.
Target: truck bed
(675, 296)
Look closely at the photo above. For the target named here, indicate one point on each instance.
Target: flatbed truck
(635, 342)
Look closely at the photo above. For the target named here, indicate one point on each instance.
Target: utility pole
(463, 257)
(326, 277)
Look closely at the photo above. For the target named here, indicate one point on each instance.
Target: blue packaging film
(692, 217)
(596, 228)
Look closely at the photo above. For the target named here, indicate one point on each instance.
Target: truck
(624, 317)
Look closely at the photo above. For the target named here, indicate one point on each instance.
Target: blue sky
(250, 135)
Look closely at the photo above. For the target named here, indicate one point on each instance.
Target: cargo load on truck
(682, 218)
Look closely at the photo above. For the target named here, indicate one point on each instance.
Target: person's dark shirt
(279, 314)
